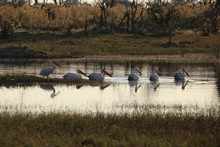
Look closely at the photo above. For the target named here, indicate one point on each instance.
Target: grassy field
(142, 128)
(59, 45)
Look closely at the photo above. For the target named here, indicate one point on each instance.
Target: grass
(58, 45)
(142, 128)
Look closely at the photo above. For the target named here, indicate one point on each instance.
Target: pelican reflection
(183, 83)
(135, 85)
(102, 85)
(155, 84)
(49, 87)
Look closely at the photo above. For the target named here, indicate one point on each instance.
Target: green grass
(142, 128)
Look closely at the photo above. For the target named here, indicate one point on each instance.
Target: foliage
(8, 21)
(142, 128)
(118, 16)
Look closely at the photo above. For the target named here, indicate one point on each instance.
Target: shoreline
(176, 58)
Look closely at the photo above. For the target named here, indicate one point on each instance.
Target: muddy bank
(25, 80)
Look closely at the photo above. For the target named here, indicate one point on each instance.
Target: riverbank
(186, 58)
(189, 48)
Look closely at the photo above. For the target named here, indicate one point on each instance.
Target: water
(201, 88)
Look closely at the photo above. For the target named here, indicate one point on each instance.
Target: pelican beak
(157, 70)
(57, 64)
(105, 72)
(138, 70)
(186, 72)
(81, 72)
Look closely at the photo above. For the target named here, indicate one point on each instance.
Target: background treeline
(114, 16)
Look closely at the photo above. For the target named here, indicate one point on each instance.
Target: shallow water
(201, 88)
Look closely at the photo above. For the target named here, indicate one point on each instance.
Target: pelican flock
(134, 76)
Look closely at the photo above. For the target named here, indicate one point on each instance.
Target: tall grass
(98, 129)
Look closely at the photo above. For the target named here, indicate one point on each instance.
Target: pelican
(178, 76)
(76, 75)
(134, 76)
(155, 76)
(46, 71)
(99, 76)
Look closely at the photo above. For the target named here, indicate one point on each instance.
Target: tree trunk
(35, 2)
(128, 22)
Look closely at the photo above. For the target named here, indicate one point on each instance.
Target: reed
(123, 129)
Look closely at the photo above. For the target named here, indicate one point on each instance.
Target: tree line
(157, 17)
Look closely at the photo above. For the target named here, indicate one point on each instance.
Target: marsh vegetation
(141, 128)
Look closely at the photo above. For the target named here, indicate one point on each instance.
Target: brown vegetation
(61, 31)
(67, 19)
(142, 128)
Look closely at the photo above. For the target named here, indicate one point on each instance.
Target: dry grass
(56, 45)
(138, 129)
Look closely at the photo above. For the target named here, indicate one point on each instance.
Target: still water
(201, 88)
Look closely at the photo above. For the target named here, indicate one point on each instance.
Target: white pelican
(99, 76)
(178, 76)
(46, 71)
(155, 76)
(134, 76)
(76, 75)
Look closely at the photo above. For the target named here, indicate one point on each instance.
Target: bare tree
(172, 19)
(104, 5)
(166, 17)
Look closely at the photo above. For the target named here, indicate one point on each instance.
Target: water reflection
(155, 85)
(134, 84)
(182, 83)
(104, 85)
(49, 87)
(217, 75)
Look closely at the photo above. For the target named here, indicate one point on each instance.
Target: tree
(172, 19)
(210, 20)
(166, 17)
(104, 5)
(8, 20)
